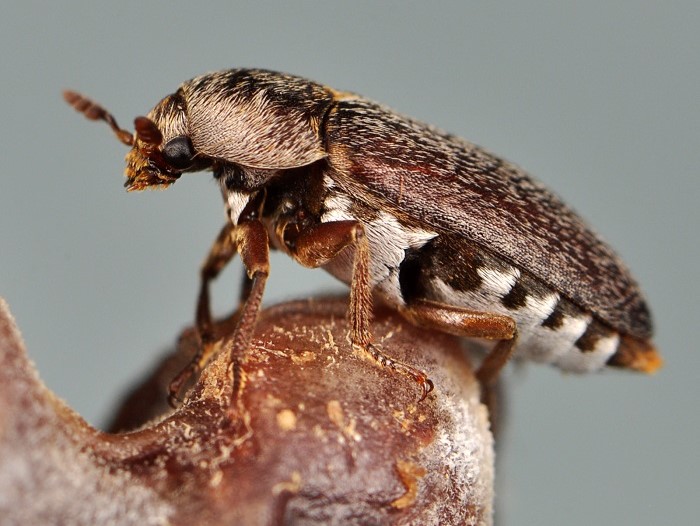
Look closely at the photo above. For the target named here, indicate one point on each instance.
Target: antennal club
(95, 112)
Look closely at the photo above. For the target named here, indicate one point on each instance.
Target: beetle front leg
(253, 246)
(220, 253)
(219, 256)
(250, 240)
(315, 246)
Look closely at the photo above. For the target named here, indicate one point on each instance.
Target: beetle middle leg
(316, 245)
(249, 239)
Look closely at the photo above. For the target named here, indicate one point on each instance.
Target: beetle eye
(178, 153)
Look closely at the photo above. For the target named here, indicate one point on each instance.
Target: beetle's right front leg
(250, 240)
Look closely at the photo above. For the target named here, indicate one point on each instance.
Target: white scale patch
(486, 298)
(498, 283)
(237, 201)
(545, 345)
(584, 362)
(388, 240)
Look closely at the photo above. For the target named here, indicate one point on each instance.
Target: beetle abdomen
(552, 329)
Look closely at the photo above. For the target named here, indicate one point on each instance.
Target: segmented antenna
(95, 112)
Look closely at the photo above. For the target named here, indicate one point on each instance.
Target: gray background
(598, 100)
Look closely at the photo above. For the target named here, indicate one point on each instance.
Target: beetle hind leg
(468, 323)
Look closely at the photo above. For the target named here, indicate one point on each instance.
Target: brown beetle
(449, 234)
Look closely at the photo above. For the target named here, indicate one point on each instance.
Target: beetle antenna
(94, 112)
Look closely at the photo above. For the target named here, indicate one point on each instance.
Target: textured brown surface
(319, 436)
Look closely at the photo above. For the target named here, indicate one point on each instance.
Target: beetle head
(161, 150)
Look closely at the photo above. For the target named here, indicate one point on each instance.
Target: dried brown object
(319, 435)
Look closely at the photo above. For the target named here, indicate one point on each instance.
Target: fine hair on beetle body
(452, 236)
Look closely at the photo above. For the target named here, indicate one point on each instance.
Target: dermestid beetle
(452, 236)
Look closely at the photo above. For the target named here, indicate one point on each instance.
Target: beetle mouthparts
(146, 179)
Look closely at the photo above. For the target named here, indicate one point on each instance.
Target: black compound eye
(178, 153)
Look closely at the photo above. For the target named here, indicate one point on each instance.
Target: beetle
(452, 236)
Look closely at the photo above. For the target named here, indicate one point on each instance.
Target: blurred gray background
(600, 101)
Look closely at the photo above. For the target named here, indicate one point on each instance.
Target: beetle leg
(250, 240)
(220, 253)
(253, 246)
(315, 246)
(219, 256)
(469, 323)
